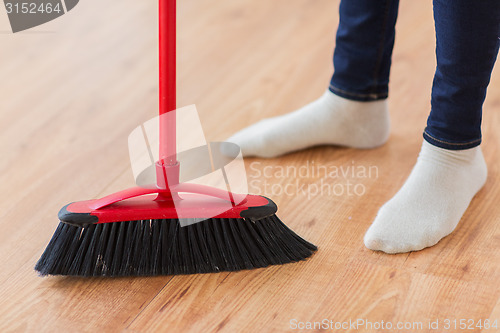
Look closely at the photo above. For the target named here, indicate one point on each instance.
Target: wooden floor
(73, 89)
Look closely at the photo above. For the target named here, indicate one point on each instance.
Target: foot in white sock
(330, 119)
(431, 202)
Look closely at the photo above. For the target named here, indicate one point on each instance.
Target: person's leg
(450, 168)
(353, 111)
(363, 49)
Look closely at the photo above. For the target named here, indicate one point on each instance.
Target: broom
(150, 230)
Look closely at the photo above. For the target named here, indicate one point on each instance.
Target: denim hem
(357, 96)
(451, 145)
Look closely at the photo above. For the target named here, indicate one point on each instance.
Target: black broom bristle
(164, 247)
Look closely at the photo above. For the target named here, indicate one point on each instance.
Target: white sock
(330, 119)
(431, 202)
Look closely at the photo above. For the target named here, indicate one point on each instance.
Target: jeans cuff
(355, 96)
(450, 145)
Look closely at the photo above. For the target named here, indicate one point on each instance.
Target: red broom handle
(167, 78)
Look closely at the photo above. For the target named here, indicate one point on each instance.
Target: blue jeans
(467, 43)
